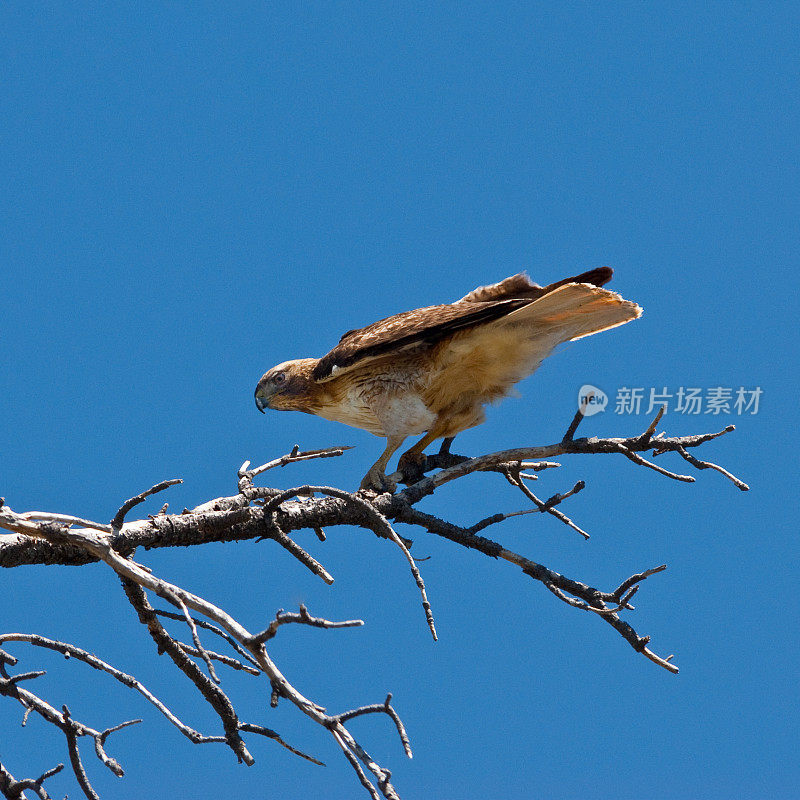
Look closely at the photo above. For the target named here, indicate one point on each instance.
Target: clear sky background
(194, 192)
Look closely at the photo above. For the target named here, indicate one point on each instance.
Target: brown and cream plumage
(433, 369)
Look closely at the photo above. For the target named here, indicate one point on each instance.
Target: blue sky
(192, 193)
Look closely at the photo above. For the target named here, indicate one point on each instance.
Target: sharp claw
(412, 465)
(376, 481)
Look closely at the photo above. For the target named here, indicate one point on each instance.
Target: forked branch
(272, 514)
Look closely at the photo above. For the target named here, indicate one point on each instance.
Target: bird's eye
(280, 377)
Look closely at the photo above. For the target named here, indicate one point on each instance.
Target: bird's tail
(574, 310)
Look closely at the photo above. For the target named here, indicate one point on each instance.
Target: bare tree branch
(71, 728)
(304, 618)
(201, 623)
(696, 462)
(514, 477)
(255, 512)
(13, 789)
(119, 517)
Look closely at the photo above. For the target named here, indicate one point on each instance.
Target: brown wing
(425, 327)
(420, 328)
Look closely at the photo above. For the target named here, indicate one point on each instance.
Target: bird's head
(287, 387)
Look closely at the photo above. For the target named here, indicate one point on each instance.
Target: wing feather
(521, 286)
(425, 327)
(420, 328)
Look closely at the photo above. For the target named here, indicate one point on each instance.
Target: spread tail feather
(574, 310)
(487, 360)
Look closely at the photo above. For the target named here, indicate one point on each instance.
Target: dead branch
(303, 618)
(119, 517)
(13, 789)
(266, 513)
(514, 476)
(72, 729)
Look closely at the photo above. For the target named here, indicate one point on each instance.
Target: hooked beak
(262, 402)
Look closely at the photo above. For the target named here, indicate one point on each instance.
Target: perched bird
(432, 370)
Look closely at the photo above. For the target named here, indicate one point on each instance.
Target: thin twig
(548, 507)
(283, 617)
(637, 459)
(71, 732)
(380, 708)
(291, 458)
(651, 428)
(365, 782)
(696, 462)
(119, 517)
(249, 727)
(202, 623)
(290, 545)
(196, 638)
(223, 659)
(578, 418)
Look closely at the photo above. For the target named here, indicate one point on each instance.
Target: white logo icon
(591, 400)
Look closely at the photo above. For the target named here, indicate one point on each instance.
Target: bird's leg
(444, 450)
(413, 460)
(375, 478)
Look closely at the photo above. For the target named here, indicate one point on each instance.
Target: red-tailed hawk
(432, 370)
